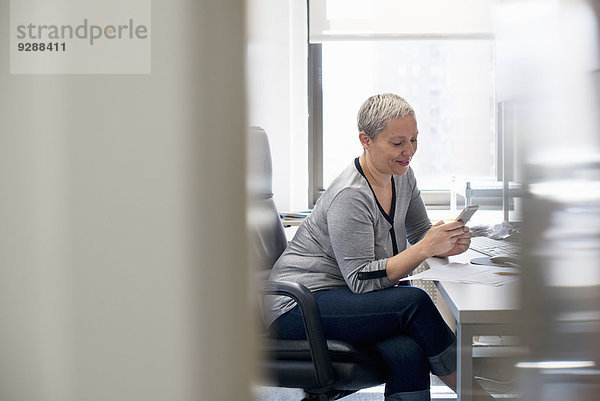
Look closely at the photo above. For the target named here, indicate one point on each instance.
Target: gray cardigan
(347, 238)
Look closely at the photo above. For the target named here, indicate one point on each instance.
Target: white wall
(277, 92)
(122, 244)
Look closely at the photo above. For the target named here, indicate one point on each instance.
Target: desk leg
(464, 355)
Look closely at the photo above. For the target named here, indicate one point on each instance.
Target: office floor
(439, 392)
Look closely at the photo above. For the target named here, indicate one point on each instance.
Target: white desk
(478, 310)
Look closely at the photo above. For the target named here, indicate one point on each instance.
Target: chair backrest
(266, 234)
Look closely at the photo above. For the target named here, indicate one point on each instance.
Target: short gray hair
(377, 110)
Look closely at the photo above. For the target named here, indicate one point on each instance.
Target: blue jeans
(403, 325)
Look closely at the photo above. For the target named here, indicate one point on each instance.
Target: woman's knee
(405, 295)
(421, 296)
(420, 300)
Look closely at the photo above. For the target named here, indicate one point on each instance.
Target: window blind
(352, 19)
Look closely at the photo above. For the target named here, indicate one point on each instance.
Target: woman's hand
(441, 240)
(462, 244)
(446, 239)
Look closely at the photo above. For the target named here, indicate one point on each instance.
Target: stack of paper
(468, 273)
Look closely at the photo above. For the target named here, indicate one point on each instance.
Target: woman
(352, 251)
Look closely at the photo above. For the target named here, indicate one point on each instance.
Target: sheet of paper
(468, 273)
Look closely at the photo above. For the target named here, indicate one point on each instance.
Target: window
(449, 83)
(448, 78)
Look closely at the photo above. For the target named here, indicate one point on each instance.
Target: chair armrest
(312, 325)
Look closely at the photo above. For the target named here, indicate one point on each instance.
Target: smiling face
(393, 148)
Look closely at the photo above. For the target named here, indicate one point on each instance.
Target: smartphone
(466, 213)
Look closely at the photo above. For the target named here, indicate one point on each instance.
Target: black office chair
(325, 369)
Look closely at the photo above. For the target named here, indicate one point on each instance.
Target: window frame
(315, 123)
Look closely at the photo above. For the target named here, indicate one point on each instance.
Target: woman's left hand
(462, 243)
